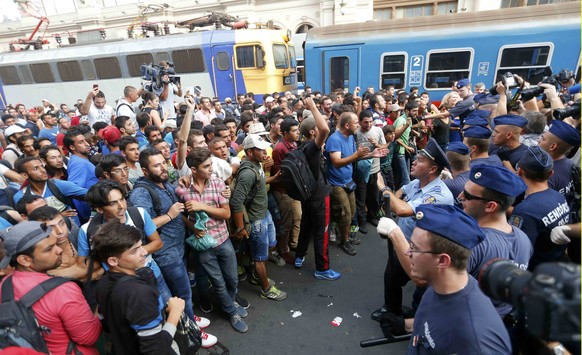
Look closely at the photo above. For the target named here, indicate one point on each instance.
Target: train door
(223, 72)
(341, 69)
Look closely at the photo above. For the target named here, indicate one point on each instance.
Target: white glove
(386, 226)
(558, 235)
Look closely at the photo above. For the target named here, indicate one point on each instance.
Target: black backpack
(18, 324)
(296, 176)
(57, 193)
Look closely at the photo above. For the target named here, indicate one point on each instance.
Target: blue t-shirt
(435, 192)
(561, 180)
(51, 134)
(456, 186)
(149, 228)
(515, 247)
(67, 188)
(141, 140)
(4, 224)
(463, 322)
(537, 215)
(513, 155)
(337, 142)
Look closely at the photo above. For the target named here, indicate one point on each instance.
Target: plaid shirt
(211, 196)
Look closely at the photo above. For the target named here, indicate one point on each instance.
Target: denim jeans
(220, 265)
(262, 237)
(401, 169)
(176, 278)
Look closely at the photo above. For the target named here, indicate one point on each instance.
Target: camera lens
(502, 280)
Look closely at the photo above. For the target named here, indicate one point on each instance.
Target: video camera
(508, 80)
(547, 301)
(570, 111)
(154, 74)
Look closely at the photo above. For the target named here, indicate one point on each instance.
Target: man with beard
(57, 193)
(164, 147)
(156, 195)
(32, 250)
(54, 162)
(96, 108)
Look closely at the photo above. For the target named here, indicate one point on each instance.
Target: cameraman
(168, 92)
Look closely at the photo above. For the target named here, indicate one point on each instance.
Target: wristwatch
(559, 349)
(385, 188)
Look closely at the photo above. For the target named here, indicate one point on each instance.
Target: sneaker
(331, 229)
(354, 229)
(192, 279)
(208, 340)
(206, 305)
(348, 248)
(202, 322)
(328, 275)
(274, 257)
(242, 273)
(273, 293)
(240, 310)
(363, 228)
(255, 280)
(238, 324)
(352, 239)
(299, 262)
(241, 301)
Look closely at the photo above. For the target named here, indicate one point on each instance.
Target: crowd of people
(166, 191)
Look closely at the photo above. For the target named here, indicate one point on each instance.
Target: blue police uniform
(462, 322)
(504, 153)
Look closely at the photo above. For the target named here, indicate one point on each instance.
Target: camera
(530, 93)
(547, 301)
(508, 80)
(154, 74)
(570, 111)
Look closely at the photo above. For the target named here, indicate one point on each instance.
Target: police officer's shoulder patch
(428, 199)
(516, 221)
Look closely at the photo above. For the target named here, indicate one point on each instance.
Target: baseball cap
(255, 141)
(21, 237)
(170, 124)
(393, 107)
(110, 134)
(13, 129)
(307, 125)
(257, 128)
(269, 99)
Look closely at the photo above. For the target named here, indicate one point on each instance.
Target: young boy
(127, 296)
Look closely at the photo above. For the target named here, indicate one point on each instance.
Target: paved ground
(273, 330)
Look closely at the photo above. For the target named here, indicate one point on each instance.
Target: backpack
(120, 105)
(156, 202)
(230, 223)
(296, 176)
(18, 324)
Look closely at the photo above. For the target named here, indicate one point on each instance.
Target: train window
(292, 57)
(280, 56)
(42, 73)
(70, 70)
(393, 70)
(188, 61)
(250, 56)
(446, 67)
(88, 69)
(339, 77)
(134, 62)
(222, 61)
(300, 71)
(9, 75)
(25, 74)
(526, 61)
(162, 56)
(107, 68)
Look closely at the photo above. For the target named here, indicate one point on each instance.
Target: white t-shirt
(100, 114)
(125, 108)
(168, 104)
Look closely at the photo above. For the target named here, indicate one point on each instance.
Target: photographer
(168, 92)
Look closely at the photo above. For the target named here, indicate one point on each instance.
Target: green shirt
(401, 121)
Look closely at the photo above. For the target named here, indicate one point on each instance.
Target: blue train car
(223, 63)
(433, 52)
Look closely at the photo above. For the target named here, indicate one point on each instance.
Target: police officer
(458, 156)
(427, 188)
(542, 208)
(477, 138)
(454, 316)
(506, 136)
(490, 191)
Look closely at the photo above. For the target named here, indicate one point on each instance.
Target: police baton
(382, 341)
